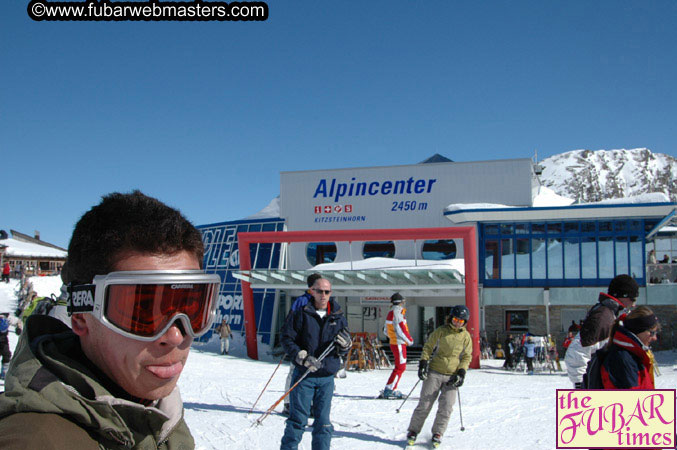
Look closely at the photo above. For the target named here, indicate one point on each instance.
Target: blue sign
(223, 258)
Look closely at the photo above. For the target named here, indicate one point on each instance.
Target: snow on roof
(394, 264)
(16, 248)
(548, 197)
(270, 211)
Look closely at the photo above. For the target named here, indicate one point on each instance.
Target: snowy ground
(501, 410)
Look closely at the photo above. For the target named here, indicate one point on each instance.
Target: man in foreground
(307, 333)
(621, 295)
(137, 298)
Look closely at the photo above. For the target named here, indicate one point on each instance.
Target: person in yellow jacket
(442, 373)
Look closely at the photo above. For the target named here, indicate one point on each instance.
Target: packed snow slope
(501, 410)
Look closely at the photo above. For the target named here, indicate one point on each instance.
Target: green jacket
(54, 400)
(454, 349)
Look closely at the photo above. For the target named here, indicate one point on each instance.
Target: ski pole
(267, 413)
(266, 386)
(407, 397)
(460, 411)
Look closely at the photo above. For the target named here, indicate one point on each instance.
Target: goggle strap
(81, 298)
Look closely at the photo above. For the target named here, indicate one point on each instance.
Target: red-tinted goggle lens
(146, 309)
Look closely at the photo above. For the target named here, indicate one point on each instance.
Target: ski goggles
(458, 322)
(143, 304)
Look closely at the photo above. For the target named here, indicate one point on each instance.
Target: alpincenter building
(484, 234)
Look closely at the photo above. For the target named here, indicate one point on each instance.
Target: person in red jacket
(5, 272)
(398, 333)
(629, 363)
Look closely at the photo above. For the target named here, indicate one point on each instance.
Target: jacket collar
(50, 376)
(611, 302)
(629, 342)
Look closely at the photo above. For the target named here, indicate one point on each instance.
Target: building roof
(22, 249)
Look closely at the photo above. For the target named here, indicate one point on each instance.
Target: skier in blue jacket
(307, 333)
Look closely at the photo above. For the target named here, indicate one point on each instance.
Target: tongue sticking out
(170, 371)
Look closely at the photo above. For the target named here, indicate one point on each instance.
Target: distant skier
(446, 373)
(397, 331)
(226, 335)
(5, 272)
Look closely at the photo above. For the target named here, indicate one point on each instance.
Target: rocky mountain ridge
(591, 176)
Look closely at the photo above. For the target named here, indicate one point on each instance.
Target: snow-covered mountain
(590, 176)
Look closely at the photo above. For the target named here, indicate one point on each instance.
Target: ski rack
(366, 353)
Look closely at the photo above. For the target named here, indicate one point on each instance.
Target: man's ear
(79, 324)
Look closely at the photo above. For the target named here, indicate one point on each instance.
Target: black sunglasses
(322, 291)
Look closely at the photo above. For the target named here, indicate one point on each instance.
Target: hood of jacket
(48, 375)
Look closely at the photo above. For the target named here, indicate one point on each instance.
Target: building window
(439, 249)
(573, 253)
(378, 249)
(320, 252)
(517, 320)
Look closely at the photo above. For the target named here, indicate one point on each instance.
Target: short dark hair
(313, 278)
(123, 223)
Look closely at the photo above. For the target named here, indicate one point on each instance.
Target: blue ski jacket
(305, 330)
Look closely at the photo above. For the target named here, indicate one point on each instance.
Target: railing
(661, 273)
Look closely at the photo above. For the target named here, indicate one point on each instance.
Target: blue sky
(204, 116)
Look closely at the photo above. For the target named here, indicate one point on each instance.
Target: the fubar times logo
(616, 418)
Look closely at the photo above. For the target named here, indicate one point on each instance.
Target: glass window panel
(605, 226)
(507, 260)
(622, 255)
(555, 228)
(635, 225)
(588, 227)
(491, 259)
(621, 226)
(255, 227)
(523, 259)
(649, 225)
(636, 262)
(268, 227)
(538, 259)
(589, 257)
(491, 228)
(571, 227)
(517, 320)
(572, 269)
(538, 228)
(378, 249)
(606, 257)
(439, 249)
(522, 228)
(320, 252)
(555, 270)
(507, 228)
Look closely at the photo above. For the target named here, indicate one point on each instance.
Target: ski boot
(390, 394)
(411, 438)
(437, 440)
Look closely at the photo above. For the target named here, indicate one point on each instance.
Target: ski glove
(456, 379)
(423, 369)
(304, 359)
(343, 340)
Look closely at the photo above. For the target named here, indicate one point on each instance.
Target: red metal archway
(468, 235)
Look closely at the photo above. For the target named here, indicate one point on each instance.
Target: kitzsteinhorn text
(153, 10)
